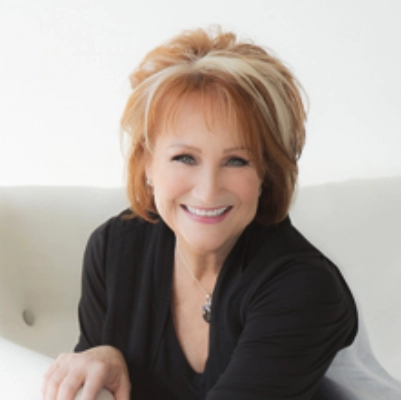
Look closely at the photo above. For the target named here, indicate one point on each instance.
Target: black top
(281, 311)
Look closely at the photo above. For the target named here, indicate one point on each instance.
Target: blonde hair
(253, 88)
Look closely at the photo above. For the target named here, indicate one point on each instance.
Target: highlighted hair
(248, 86)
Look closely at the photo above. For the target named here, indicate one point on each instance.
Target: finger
(124, 390)
(51, 370)
(90, 390)
(50, 389)
(50, 393)
(69, 387)
(54, 376)
(94, 382)
(47, 376)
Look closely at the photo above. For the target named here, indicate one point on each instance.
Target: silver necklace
(207, 307)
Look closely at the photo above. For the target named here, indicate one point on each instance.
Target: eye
(185, 159)
(237, 162)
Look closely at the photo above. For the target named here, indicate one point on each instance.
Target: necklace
(207, 307)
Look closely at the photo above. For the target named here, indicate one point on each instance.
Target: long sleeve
(295, 324)
(93, 303)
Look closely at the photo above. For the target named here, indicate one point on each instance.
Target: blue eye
(185, 159)
(237, 162)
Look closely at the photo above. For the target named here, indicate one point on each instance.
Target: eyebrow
(186, 146)
(189, 147)
(236, 149)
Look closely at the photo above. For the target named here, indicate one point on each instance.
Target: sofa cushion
(43, 232)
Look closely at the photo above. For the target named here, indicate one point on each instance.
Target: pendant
(207, 308)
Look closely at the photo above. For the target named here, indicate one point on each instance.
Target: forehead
(199, 113)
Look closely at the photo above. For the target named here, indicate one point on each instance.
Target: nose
(208, 185)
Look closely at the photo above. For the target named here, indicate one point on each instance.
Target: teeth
(207, 213)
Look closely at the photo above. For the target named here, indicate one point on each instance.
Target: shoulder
(309, 278)
(283, 255)
(295, 277)
(123, 225)
(124, 246)
(122, 237)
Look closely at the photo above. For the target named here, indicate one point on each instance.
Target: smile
(203, 212)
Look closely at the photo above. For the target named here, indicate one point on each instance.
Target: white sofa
(43, 232)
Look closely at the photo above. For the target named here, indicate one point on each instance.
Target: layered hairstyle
(253, 89)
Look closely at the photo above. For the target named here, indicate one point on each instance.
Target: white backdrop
(64, 66)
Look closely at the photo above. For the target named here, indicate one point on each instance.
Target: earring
(149, 182)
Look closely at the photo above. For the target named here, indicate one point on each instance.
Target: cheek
(168, 187)
(247, 189)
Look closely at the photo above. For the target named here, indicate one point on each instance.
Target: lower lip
(204, 219)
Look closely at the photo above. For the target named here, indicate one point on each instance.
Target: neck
(203, 263)
(202, 266)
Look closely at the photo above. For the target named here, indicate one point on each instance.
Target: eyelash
(185, 159)
(190, 160)
(238, 162)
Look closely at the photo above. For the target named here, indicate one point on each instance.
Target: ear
(148, 168)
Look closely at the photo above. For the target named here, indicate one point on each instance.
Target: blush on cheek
(248, 192)
(175, 181)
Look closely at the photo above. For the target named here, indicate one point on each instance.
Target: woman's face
(205, 185)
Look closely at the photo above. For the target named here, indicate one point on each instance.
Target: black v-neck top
(281, 311)
(176, 370)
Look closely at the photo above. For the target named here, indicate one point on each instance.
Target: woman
(204, 289)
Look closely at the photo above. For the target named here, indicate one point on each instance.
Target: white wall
(64, 66)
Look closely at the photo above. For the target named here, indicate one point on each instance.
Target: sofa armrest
(21, 373)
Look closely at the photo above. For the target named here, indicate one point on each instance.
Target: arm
(94, 366)
(295, 324)
(93, 302)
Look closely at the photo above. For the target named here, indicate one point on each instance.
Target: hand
(94, 369)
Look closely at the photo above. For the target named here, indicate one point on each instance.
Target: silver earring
(148, 182)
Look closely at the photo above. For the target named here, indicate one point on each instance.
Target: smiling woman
(241, 84)
(204, 289)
